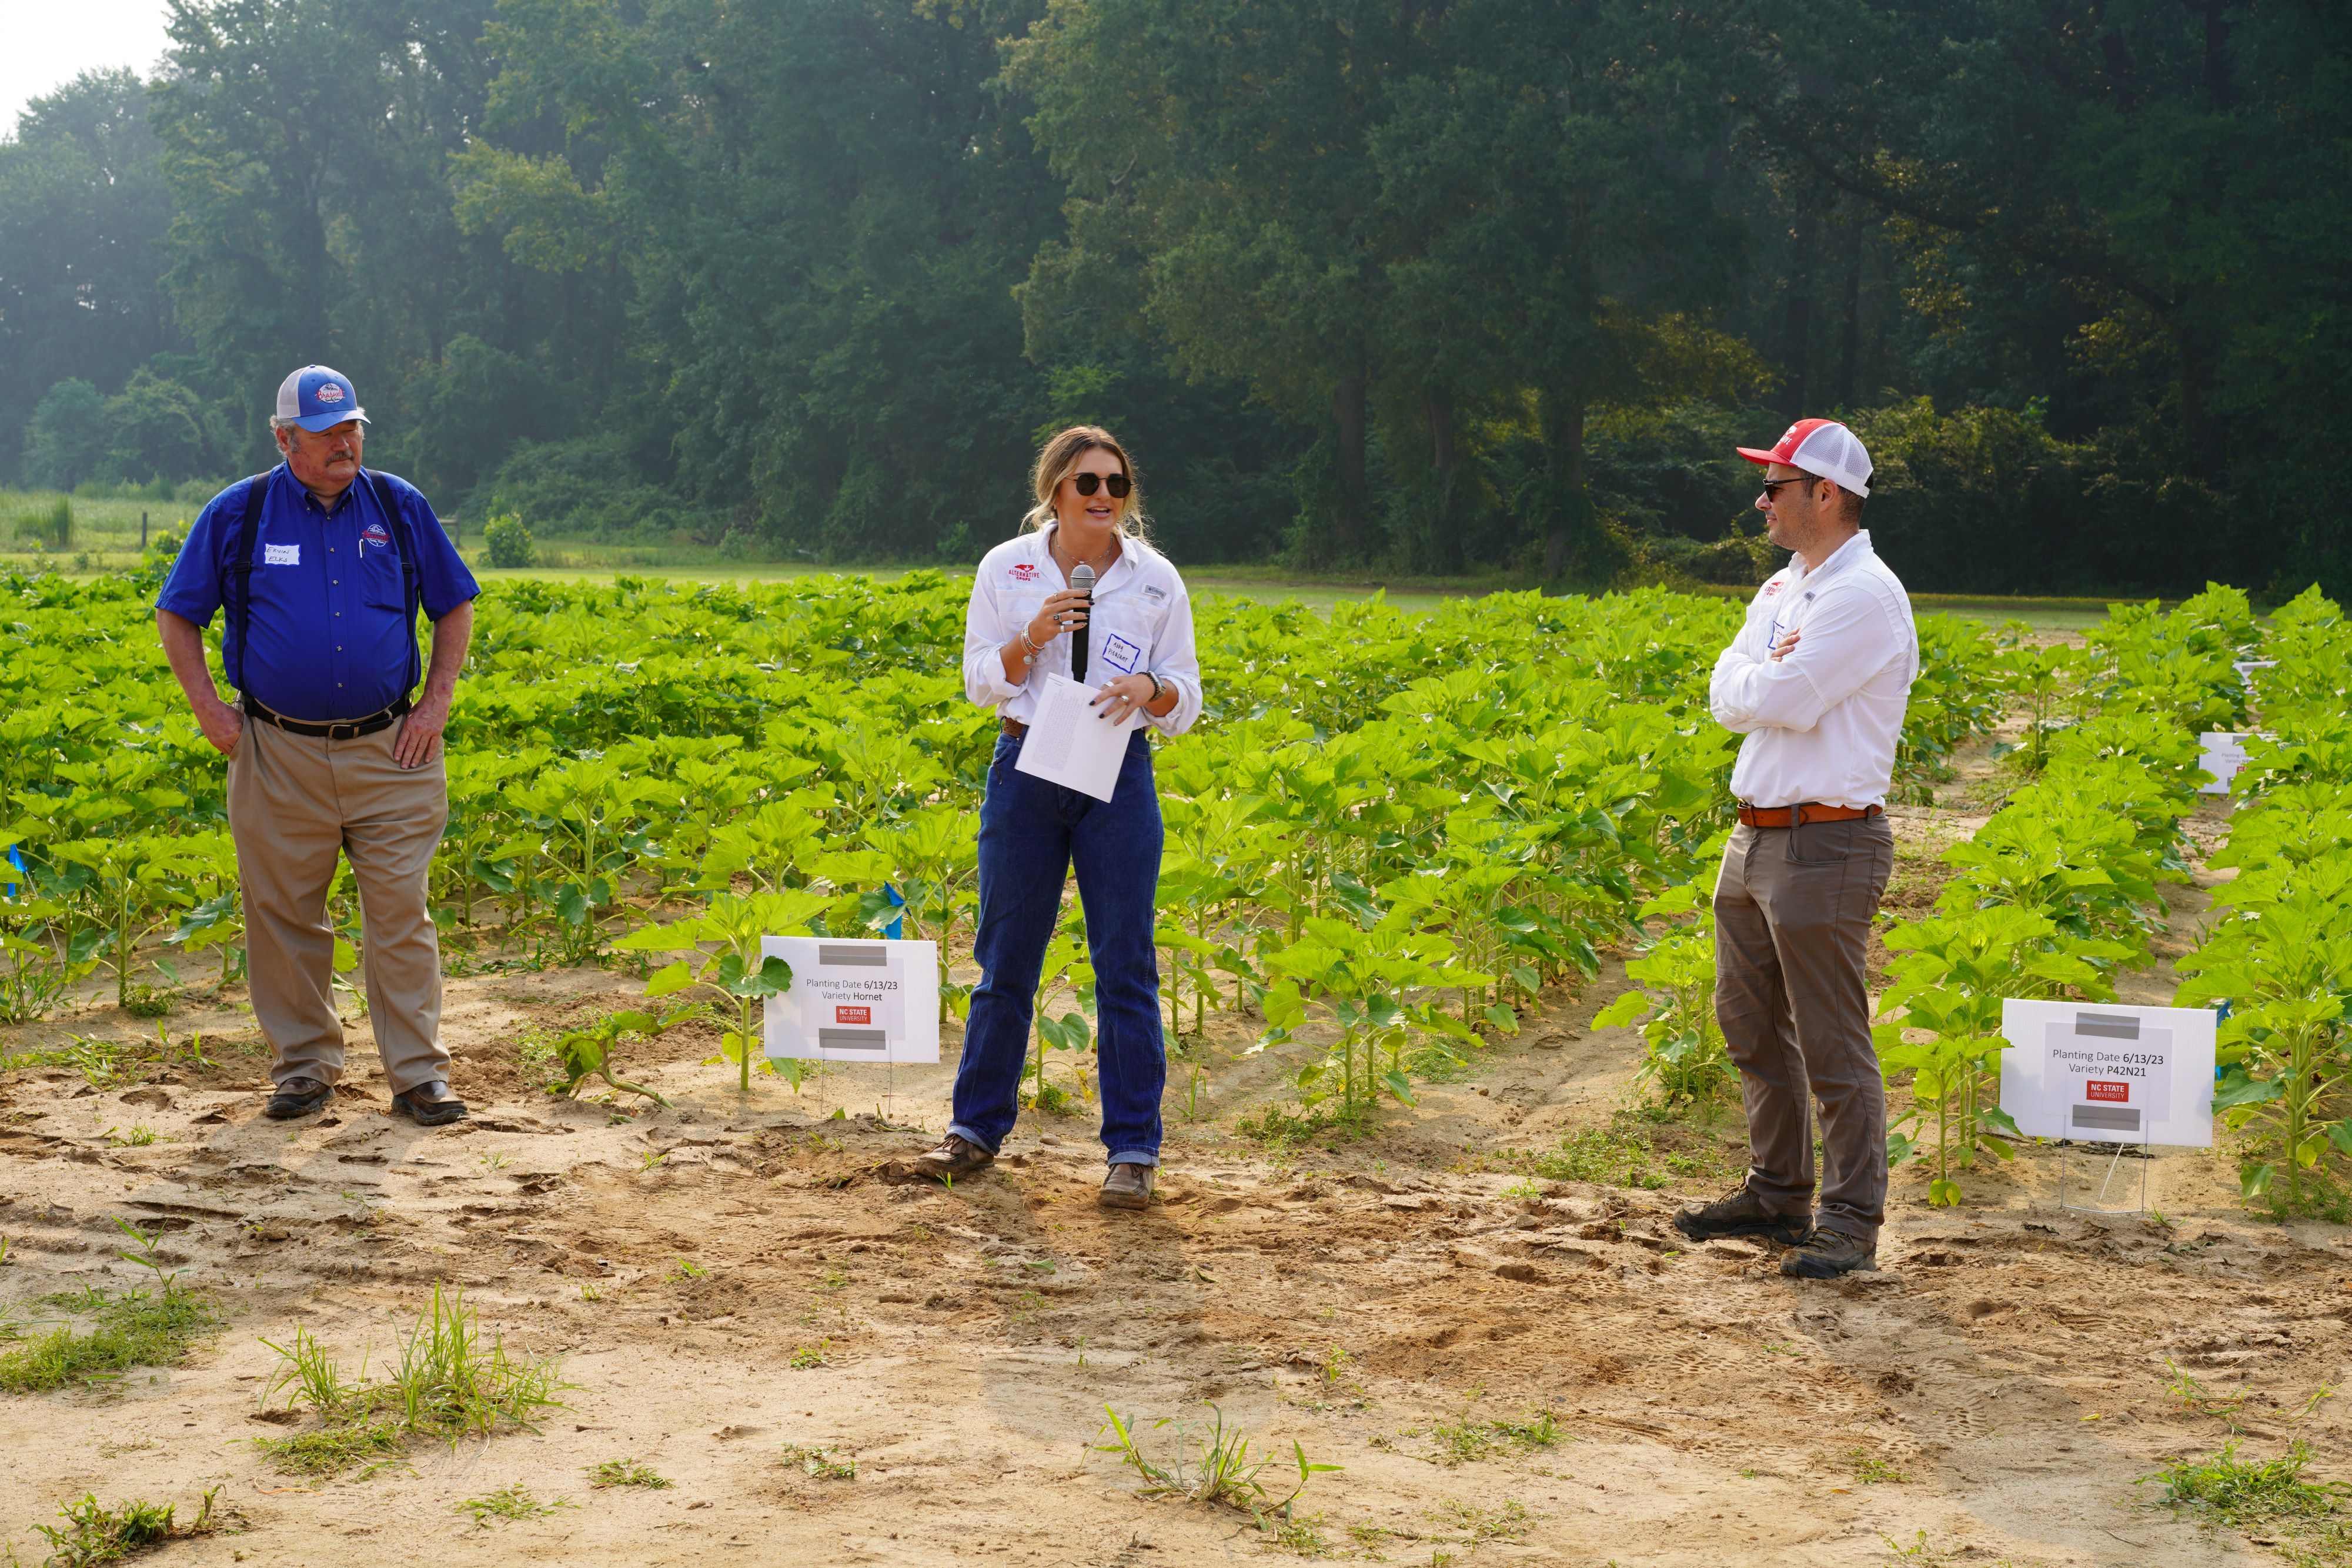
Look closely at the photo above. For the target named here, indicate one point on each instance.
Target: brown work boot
(430, 1105)
(1128, 1185)
(297, 1097)
(1740, 1212)
(1826, 1254)
(955, 1158)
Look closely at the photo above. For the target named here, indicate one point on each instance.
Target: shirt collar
(1845, 555)
(1129, 547)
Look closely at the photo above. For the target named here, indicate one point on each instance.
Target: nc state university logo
(843, 1013)
(1025, 572)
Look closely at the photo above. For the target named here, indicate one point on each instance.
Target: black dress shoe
(954, 1159)
(298, 1097)
(421, 1106)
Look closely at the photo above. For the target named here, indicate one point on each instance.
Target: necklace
(1086, 561)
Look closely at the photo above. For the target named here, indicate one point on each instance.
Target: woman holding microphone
(1139, 627)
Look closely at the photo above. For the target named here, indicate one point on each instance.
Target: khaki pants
(1792, 913)
(294, 803)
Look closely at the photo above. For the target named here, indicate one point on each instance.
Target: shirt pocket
(383, 586)
(1126, 629)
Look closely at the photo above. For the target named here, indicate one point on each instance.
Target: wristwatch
(1159, 686)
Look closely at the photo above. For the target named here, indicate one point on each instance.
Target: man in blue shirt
(322, 566)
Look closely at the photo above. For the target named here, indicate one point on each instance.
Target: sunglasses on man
(1119, 485)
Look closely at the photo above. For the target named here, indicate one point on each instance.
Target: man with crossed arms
(322, 566)
(1817, 681)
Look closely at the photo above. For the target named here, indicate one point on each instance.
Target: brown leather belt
(1014, 727)
(1803, 813)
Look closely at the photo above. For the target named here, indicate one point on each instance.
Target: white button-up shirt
(1820, 723)
(1141, 621)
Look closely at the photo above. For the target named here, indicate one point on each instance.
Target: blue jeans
(1031, 834)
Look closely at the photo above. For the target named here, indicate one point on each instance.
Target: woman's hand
(1121, 698)
(1063, 611)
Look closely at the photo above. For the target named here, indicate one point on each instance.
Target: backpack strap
(412, 580)
(240, 577)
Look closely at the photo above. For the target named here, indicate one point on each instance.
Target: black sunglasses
(1119, 485)
(1772, 484)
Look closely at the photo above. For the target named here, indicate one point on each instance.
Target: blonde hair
(1060, 455)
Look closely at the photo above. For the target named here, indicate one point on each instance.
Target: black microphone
(1082, 577)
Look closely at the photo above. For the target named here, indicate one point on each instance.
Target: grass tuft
(2244, 1493)
(94, 1534)
(137, 1328)
(508, 1505)
(625, 1473)
(449, 1382)
(817, 1464)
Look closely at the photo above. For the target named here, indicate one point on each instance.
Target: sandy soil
(1384, 1302)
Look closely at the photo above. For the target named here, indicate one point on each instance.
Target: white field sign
(2225, 754)
(2102, 1072)
(855, 1000)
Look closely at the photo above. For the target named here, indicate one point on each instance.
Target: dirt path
(727, 1279)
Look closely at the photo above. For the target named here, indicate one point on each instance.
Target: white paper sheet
(1073, 745)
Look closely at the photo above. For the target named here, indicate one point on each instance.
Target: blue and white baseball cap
(317, 398)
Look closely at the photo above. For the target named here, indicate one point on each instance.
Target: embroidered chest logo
(1773, 588)
(1025, 572)
(1152, 592)
(374, 534)
(281, 555)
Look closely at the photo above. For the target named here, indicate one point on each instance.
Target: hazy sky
(46, 43)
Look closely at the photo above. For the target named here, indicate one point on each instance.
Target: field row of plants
(2278, 954)
(1389, 832)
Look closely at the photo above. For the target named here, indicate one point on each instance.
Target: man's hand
(418, 739)
(222, 725)
(1786, 646)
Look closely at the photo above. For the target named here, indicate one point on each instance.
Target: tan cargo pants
(294, 803)
(1792, 913)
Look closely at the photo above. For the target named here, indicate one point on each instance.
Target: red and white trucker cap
(1821, 446)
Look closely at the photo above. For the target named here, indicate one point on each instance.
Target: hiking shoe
(297, 1097)
(1740, 1212)
(955, 1158)
(1127, 1186)
(1826, 1254)
(429, 1104)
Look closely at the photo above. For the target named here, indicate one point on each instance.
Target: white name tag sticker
(1121, 654)
(281, 555)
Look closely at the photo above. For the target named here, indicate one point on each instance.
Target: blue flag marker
(896, 929)
(17, 861)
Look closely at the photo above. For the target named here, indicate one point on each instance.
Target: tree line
(1424, 286)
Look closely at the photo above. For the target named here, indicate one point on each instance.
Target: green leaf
(1399, 1085)
(1622, 1011)
(1503, 1018)
(669, 979)
(2239, 1089)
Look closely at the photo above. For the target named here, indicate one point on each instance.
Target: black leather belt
(346, 729)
